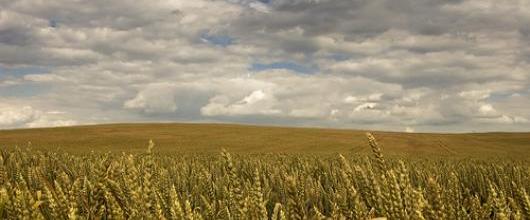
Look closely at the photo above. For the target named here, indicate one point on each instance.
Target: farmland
(193, 138)
(250, 172)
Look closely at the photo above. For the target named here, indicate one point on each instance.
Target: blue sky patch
(23, 90)
(21, 71)
(53, 23)
(339, 56)
(284, 65)
(218, 40)
(499, 96)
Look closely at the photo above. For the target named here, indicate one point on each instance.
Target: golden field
(193, 138)
(212, 171)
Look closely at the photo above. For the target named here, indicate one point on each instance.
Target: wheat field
(149, 185)
(173, 138)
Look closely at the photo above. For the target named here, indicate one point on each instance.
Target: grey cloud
(426, 65)
(17, 29)
(123, 16)
(358, 21)
(166, 98)
(14, 36)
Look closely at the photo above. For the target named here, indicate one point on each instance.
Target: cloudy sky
(402, 65)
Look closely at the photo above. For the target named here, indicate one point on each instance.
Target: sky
(399, 65)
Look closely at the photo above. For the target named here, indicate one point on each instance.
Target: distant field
(258, 139)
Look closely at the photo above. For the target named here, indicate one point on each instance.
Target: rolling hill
(202, 138)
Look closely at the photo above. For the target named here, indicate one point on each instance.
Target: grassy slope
(242, 138)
